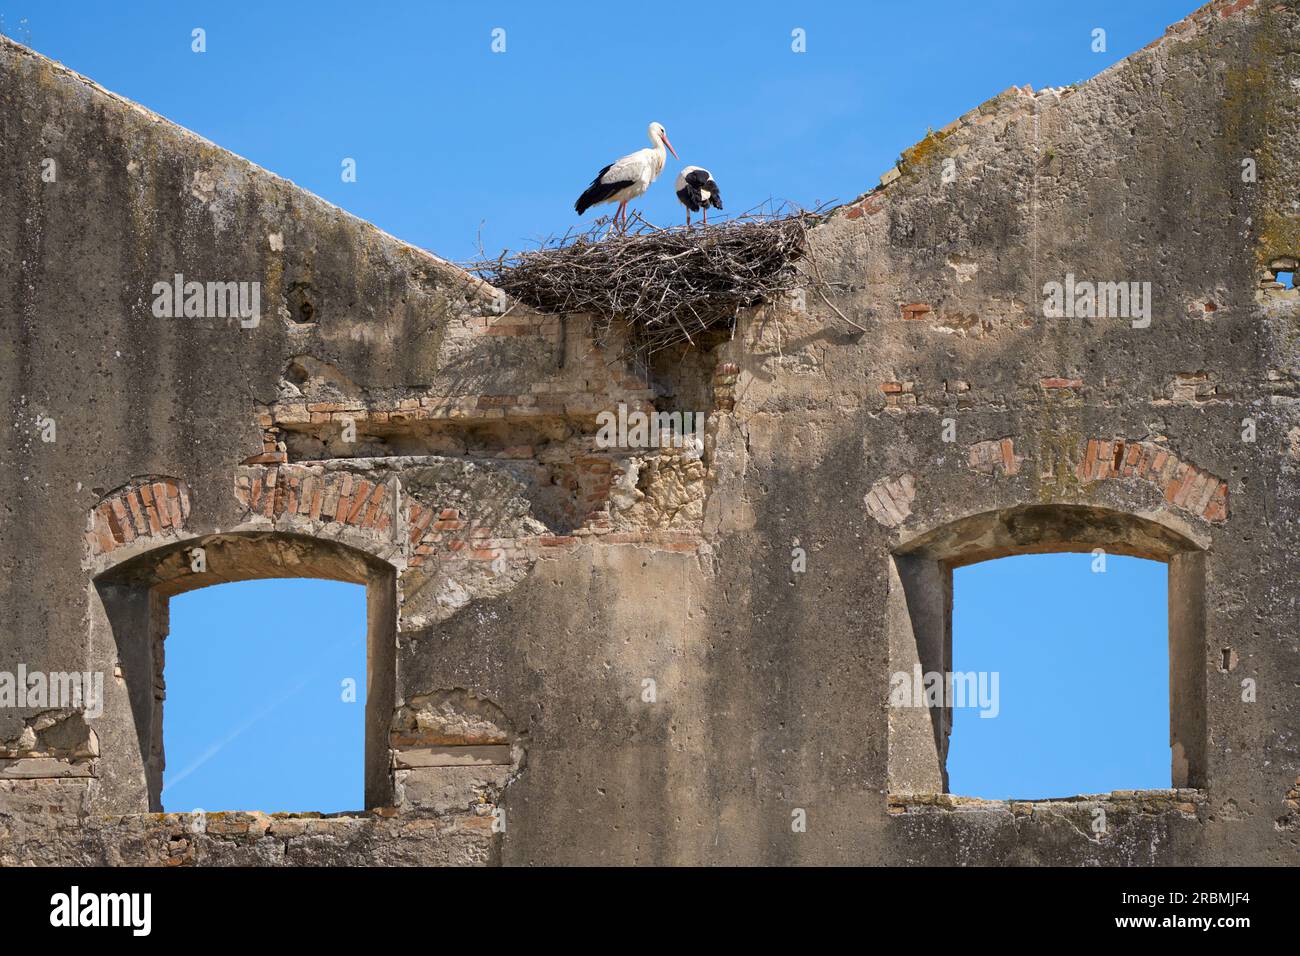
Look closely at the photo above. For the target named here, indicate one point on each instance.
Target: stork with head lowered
(697, 191)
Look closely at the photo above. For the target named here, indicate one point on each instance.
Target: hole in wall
(302, 301)
(1279, 278)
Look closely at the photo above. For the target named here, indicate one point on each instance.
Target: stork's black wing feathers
(698, 180)
(598, 192)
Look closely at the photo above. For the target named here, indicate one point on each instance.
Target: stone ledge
(453, 756)
(1184, 800)
(45, 768)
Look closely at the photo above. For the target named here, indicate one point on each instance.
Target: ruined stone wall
(392, 421)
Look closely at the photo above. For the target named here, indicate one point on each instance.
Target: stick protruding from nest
(667, 285)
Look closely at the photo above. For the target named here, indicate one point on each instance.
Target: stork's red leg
(706, 215)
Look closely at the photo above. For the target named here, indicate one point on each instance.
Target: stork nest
(668, 286)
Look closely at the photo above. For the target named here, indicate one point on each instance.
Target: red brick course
(870, 206)
(998, 455)
(898, 394)
(145, 507)
(1183, 485)
(1056, 381)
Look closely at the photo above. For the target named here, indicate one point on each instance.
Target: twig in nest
(667, 285)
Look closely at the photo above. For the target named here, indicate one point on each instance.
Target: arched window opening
(1088, 665)
(271, 652)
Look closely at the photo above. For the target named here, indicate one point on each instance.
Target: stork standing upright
(625, 179)
(697, 191)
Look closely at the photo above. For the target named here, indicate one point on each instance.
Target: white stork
(697, 191)
(625, 179)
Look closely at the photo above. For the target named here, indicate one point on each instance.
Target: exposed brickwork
(1192, 388)
(724, 386)
(1185, 486)
(446, 534)
(331, 500)
(338, 497)
(273, 449)
(594, 476)
(1236, 7)
(898, 394)
(588, 380)
(995, 457)
(550, 421)
(147, 507)
(1051, 383)
(873, 204)
(890, 500)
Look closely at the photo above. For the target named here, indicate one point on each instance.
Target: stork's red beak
(664, 137)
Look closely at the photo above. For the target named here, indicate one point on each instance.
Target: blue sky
(453, 142)
(1082, 658)
(255, 716)
(450, 137)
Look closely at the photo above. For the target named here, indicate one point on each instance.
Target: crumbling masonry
(385, 421)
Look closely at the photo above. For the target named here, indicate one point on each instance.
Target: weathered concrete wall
(533, 581)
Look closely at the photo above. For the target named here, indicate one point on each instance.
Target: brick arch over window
(133, 597)
(153, 507)
(919, 622)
